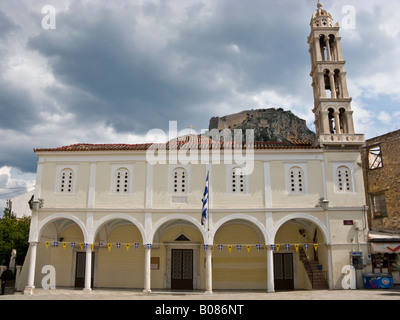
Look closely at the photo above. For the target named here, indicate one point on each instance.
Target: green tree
(14, 234)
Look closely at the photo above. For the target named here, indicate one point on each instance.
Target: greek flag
(205, 203)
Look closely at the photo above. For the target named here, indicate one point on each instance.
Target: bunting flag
(73, 245)
(109, 245)
(127, 245)
(258, 246)
(118, 245)
(55, 244)
(81, 245)
(315, 246)
(229, 248)
(239, 247)
(47, 244)
(306, 246)
(136, 245)
(248, 248)
(287, 246)
(92, 246)
(277, 247)
(85, 245)
(205, 247)
(64, 244)
(273, 247)
(100, 244)
(220, 247)
(149, 246)
(296, 247)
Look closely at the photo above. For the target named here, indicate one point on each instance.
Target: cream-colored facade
(110, 218)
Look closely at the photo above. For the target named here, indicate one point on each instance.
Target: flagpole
(209, 200)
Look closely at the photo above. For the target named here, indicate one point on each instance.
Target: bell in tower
(332, 104)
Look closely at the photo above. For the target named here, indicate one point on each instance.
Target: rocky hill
(268, 124)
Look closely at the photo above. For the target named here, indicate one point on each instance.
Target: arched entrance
(119, 252)
(239, 256)
(58, 242)
(177, 255)
(301, 254)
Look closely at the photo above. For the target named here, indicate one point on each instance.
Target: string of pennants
(83, 245)
(275, 247)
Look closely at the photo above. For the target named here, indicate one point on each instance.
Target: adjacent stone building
(381, 166)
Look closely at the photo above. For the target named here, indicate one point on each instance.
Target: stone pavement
(125, 294)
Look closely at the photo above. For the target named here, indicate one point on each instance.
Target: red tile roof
(201, 145)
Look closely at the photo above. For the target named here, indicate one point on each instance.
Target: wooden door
(182, 269)
(283, 271)
(80, 269)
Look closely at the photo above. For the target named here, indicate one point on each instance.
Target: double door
(283, 271)
(182, 269)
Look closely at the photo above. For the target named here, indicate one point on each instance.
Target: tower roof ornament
(321, 17)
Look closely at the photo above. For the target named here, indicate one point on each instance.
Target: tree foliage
(14, 234)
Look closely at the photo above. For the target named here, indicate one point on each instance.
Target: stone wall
(385, 179)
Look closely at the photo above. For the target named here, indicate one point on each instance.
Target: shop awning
(384, 242)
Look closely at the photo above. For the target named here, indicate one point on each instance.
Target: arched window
(122, 181)
(238, 182)
(179, 181)
(296, 180)
(344, 179)
(66, 181)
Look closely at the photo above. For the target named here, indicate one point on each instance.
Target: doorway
(182, 269)
(283, 271)
(80, 269)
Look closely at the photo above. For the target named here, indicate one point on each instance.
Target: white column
(330, 271)
(332, 83)
(270, 269)
(209, 271)
(337, 122)
(88, 269)
(328, 50)
(31, 271)
(147, 270)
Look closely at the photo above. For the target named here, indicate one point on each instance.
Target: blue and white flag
(205, 203)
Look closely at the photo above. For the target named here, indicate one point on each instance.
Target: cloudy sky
(109, 71)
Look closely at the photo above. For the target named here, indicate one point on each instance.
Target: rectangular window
(379, 205)
(375, 157)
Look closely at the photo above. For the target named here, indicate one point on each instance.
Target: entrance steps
(315, 274)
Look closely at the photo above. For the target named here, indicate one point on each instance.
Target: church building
(286, 216)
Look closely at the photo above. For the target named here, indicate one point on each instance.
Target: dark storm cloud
(135, 88)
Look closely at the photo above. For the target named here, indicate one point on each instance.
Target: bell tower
(332, 104)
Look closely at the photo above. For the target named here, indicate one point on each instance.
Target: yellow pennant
(248, 247)
(47, 244)
(230, 248)
(277, 246)
(81, 245)
(92, 246)
(127, 246)
(64, 244)
(109, 246)
(315, 246)
(297, 247)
